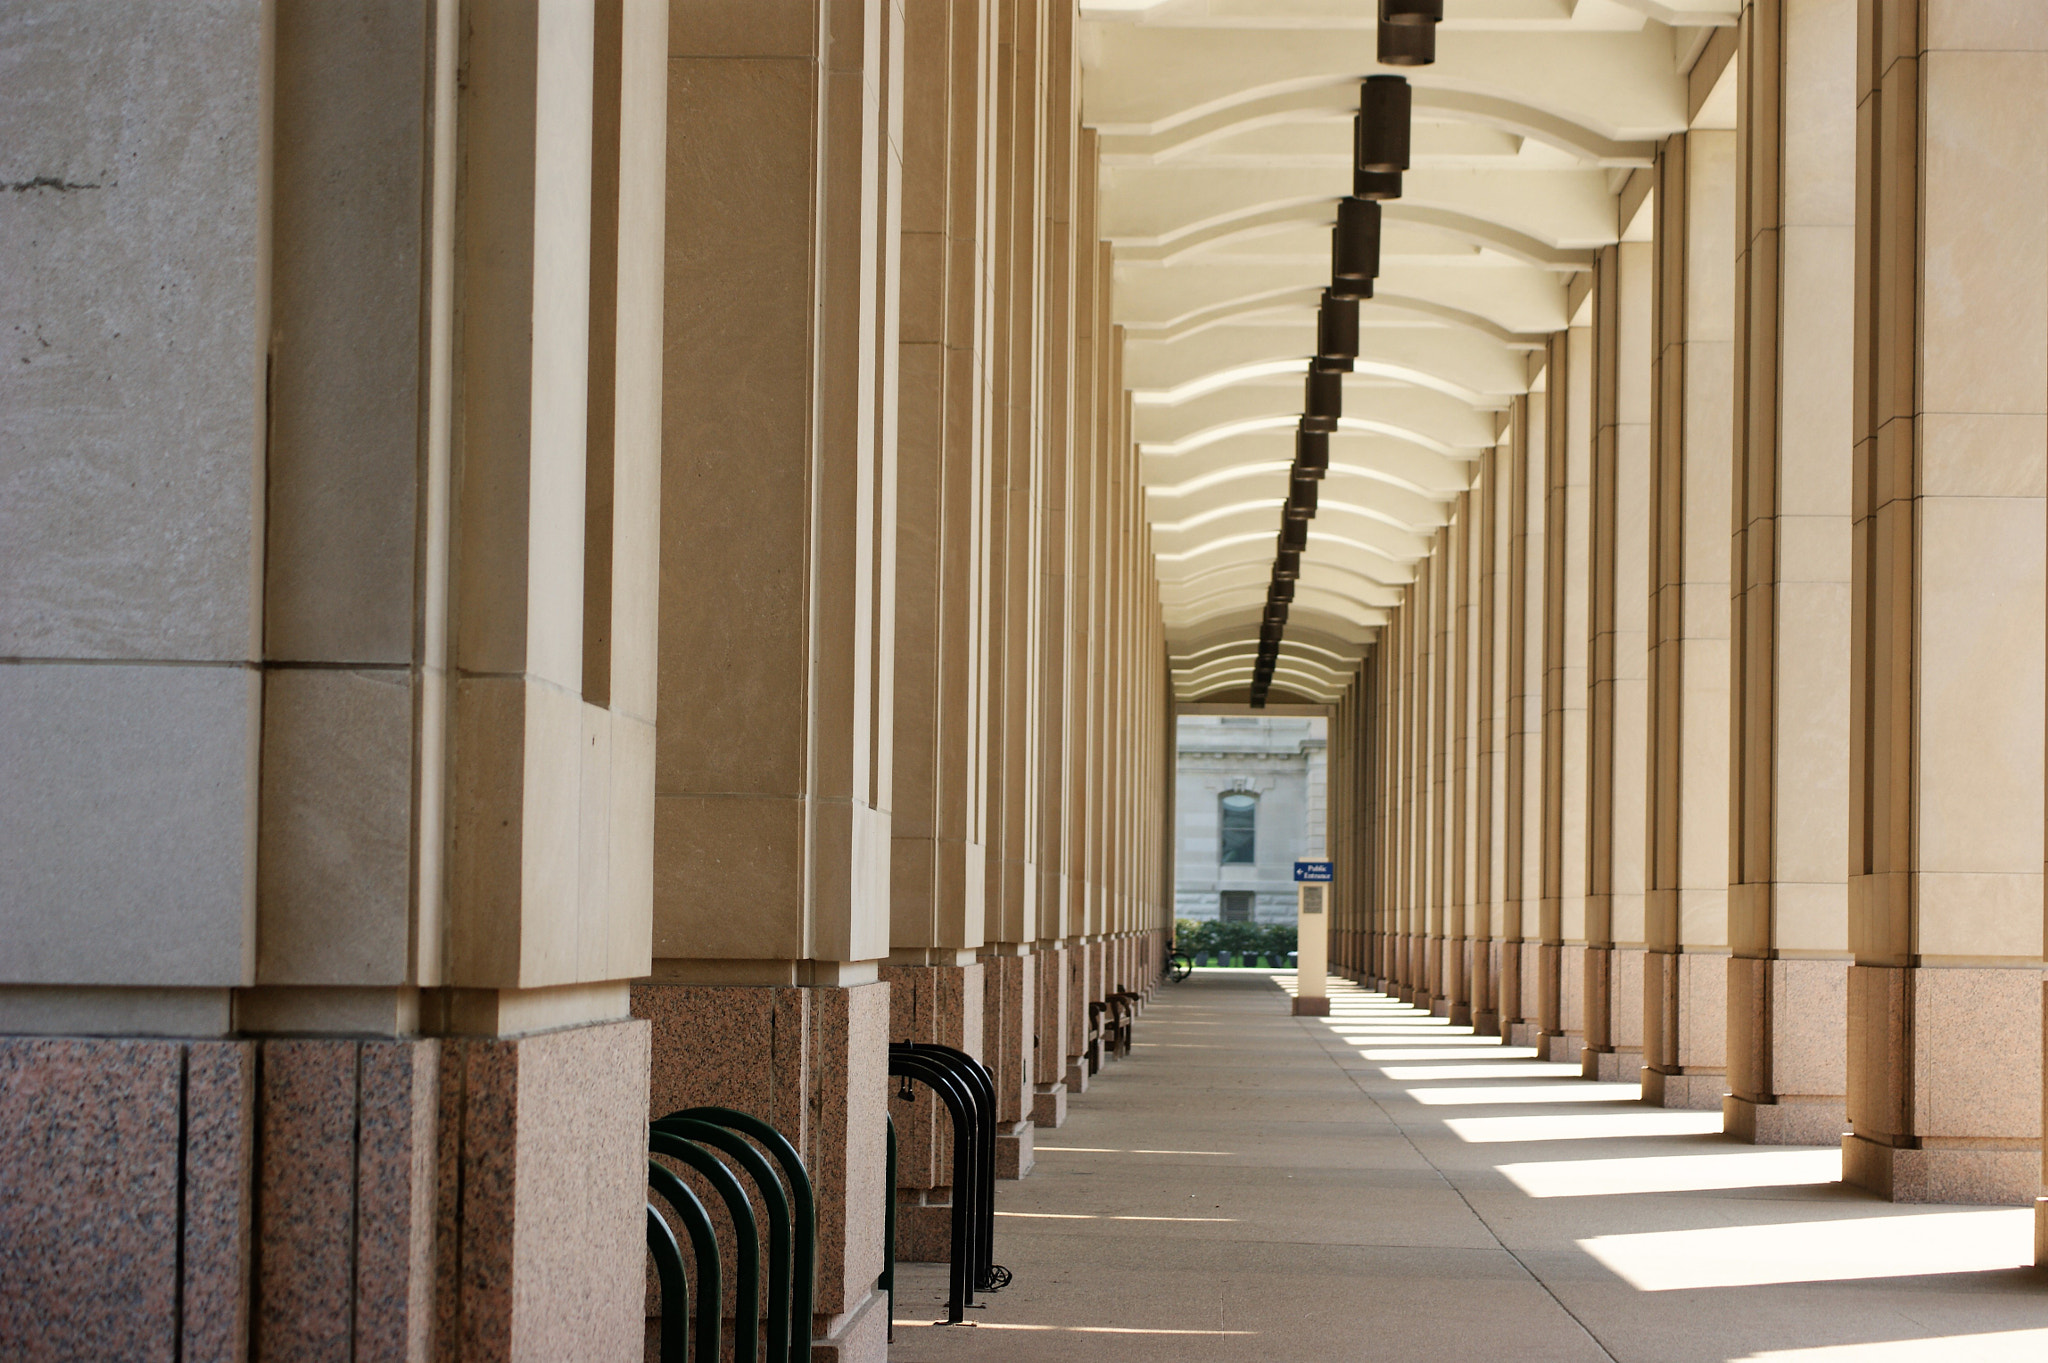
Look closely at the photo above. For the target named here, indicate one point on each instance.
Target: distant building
(1249, 799)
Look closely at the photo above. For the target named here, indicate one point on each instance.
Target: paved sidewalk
(1379, 1185)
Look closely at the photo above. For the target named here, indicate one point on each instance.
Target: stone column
(1617, 794)
(1560, 1013)
(363, 752)
(1426, 912)
(1464, 762)
(1440, 833)
(1945, 777)
(938, 985)
(1789, 739)
(1686, 900)
(778, 632)
(1520, 923)
(1490, 530)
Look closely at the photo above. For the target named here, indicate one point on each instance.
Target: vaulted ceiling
(1226, 142)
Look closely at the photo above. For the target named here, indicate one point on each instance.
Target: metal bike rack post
(710, 1283)
(747, 1276)
(803, 1213)
(934, 1074)
(974, 1076)
(887, 1282)
(777, 1203)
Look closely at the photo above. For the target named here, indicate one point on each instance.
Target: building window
(1240, 818)
(1236, 906)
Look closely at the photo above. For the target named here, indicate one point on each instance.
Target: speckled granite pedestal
(1054, 980)
(387, 1199)
(941, 1004)
(1009, 1022)
(814, 1060)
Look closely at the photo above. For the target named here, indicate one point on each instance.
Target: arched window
(1239, 845)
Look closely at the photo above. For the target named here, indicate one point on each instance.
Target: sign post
(1312, 880)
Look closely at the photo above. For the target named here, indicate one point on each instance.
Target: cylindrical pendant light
(1411, 11)
(1282, 589)
(1407, 44)
(1269, 634)
(1355, 247)
(1293, 535)
(1337, 327)
(1287, 565)
(1324, 401)
(1312, 450)
(1381, 128)
(1377, 185)
(1301, 492)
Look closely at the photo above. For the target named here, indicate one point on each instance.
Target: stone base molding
(1685, 1013)
(318, 1197)
(1787, 1049)
(1944, 1091)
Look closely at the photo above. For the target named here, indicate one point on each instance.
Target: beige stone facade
(565, 560)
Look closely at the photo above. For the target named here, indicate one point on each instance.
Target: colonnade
(1706, 746)
(597, 565)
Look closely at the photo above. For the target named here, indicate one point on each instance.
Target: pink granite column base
(96, 1136)
(1685, 1029)
(941, 1004)
(1787, 1046)
(814, 1061)
(542, 1190)
(1944, 1091)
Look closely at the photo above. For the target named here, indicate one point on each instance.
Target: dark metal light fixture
(1324, 401)
(1312, 451)
(1293, 534)
(1385, 104)
(1282, 589)
(1411, 11)
(1355, 248)
(1377, 185)
(1337, 328)
(1407, 44)
(1269, 634)
(1301, 492)
(1287, 565)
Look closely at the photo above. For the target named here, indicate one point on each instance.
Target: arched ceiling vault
(1225, 137)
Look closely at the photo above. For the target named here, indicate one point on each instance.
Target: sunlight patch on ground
(1060, 1329)
(1589, 1126)
(1091, 1216)
(1819, 1251)
(1526, 1069)
(1444, 1051)
(1676, 1173)
(2004, 1346)
(1533, 1093)
(1102, 1150)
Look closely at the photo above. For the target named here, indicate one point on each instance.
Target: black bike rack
(969, 1095)
(698, 1137)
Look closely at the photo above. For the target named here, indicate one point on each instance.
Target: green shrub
(1275, 940)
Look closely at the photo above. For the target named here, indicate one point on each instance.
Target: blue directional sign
(1315, 870)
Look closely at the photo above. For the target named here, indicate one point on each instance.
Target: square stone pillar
(1789, 743)
(1946, 710)
(385, 784)
(1560, 1003)
(1521, 923)
(774, 893)
(1493, 529)
(1463, 843)
(1617, 703)
(1686, 899)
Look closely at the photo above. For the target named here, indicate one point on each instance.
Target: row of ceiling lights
(1407, 37)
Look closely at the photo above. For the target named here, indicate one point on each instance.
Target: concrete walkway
(1379, 1185)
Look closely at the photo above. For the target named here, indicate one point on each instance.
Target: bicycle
(1179, 965)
